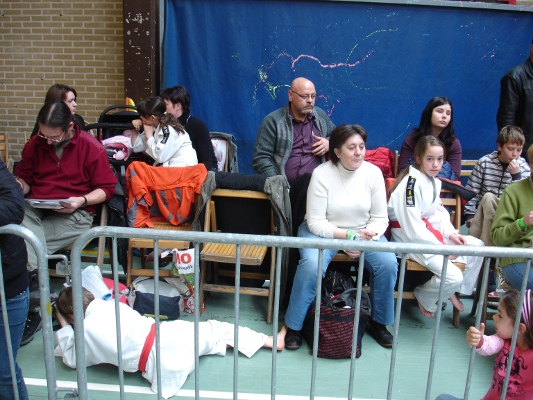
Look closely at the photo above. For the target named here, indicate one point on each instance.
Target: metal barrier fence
(272, 241)
(44, 291)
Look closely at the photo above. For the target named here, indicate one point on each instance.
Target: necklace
(344, 171)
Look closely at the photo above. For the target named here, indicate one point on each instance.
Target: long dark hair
(340, 135)
(424, 143)
(58, 92)
(424, 128)
(156, 106)
(56, 115)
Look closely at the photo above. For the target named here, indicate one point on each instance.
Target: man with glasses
(62, 162)
(293, 140)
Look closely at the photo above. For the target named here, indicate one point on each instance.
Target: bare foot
(425, 312)
(458, 304)
(280, 340)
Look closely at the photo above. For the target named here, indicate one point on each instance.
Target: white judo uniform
(416, 197)
(175, 151)
(176, 343)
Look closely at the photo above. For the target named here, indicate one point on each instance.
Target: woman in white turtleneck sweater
(346, 200)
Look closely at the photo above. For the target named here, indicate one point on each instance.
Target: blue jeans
(17, 312)
(514, 273)
(447, 397)
(383, 269)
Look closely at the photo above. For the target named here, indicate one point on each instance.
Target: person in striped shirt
(490, 176)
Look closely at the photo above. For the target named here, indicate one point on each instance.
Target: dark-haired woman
(178, 102)
(66, 94)
(345, 200)
(163, 138)
(436, 120)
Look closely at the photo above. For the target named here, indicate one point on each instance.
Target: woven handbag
(335, 329)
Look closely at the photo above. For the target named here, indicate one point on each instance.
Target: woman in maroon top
(436, 120)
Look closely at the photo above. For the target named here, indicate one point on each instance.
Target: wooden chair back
(251, 256)
(4, 151)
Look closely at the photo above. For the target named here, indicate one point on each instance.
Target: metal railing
(272, 241)
(44, 291)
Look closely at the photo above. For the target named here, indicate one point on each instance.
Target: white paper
(52, 204)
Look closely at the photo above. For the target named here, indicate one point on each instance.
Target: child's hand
(528, 219)
(148, 131)
(474, 336)
(457, 239)
(62, 321)
(514, 167)
(137, 124)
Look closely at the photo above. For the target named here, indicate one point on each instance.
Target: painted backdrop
(373, 64)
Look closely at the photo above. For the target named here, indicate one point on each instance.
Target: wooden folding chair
(142, 244)
(251, 256)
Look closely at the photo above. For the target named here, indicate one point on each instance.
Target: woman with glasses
(67, 94)
(64, 163)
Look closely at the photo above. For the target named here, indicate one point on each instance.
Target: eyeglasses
(52, 138)
(305, 96)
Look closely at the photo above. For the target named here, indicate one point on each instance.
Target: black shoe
(293, 339)
(34, 288)
(33, 325)
(380, 334)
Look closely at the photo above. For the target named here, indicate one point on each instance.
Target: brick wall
(79, 43)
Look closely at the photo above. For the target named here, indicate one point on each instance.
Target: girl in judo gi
(163, 138)
(138, 344)
(417, 215)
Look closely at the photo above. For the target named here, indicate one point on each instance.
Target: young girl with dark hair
(417, 215)
(163, 138)
(437, 121)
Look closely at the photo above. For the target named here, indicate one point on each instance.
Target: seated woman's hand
(366, 234)
(352, 253)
